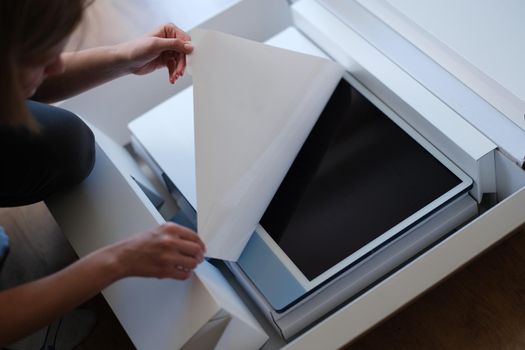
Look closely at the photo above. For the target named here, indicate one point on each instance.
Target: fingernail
(188, 46)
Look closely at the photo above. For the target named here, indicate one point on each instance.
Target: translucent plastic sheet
(254, 106)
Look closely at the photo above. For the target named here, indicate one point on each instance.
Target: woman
(44, 149)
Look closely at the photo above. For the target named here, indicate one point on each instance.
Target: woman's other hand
(168, 251)
(165, 47)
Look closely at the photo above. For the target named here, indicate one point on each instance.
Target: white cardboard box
(110, 206)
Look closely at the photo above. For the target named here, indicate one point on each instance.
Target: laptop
(358, 182)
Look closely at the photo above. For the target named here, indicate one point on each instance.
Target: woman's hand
(168, 251)
(165, 47)
(83, 70)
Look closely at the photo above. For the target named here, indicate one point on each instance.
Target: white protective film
(254, 106)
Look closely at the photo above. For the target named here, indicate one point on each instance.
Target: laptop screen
(357, 176)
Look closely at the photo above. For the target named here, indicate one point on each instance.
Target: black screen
(357, 175)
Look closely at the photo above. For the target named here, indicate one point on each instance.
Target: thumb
(172, 44)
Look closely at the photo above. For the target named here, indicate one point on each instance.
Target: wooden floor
(480, 307)
(37, 249)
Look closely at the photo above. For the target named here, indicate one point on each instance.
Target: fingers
(167, 251)
(185, 247)
(171, 63)
(176, 273)
(176, 65)
(182, 251)
(191, 249)
(170, 30)
(169, 59)
(184, 64)
(169, 44)
(184, 233)
(177, 49)
(181, 65)
(187, 263)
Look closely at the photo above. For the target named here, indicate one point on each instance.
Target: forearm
(167, 47)
(167, 251)
(31, 306)
(83, 70)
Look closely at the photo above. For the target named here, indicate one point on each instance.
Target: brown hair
(29, 29)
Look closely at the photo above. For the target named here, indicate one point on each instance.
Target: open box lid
(254, 106)
(432, 43)
(479, 43)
